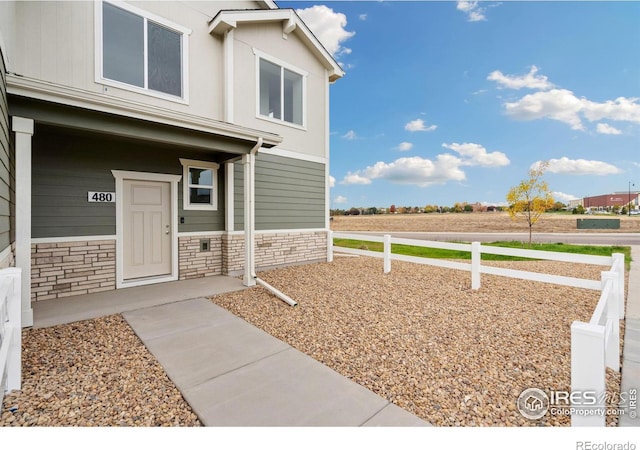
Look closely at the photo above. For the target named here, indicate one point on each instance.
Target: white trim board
(55, 240)
(200, 233)
(276, 151)
(290, 231)
(120, 176)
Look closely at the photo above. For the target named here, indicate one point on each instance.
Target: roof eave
(226, 20)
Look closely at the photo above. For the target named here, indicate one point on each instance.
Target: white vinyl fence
(594, 345)
(10, 331)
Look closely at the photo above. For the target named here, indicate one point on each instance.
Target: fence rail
(594, 345)
(10, 331)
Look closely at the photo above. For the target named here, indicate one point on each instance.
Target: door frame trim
(120, 176)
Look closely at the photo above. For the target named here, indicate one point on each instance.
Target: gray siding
(290, 193)
(6, 185)
(67, 166)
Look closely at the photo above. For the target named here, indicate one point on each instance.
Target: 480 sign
(101, 197)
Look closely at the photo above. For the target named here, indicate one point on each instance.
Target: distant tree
(531, 198)
(392, 209)
(402, 210)
(468, 208)
(578, 210)
(624, 210)
(558, 206)
(372, 210)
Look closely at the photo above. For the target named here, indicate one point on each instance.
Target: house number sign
(102, 197)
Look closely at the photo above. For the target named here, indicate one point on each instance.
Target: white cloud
(417, 171)
(477, 155)
(404, 146)
(355, 178)
(562, 105)
(414, 170)
(328, 26)
(605, 128)
(332, 181)
(562, 197)
(424, 172)
(623, 109)
(419, 125)
(350, 135)
(362, 17)
(340, 200)
(474, 12)
(528, 81)
(568, 166)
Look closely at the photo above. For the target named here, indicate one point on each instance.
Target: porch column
(23, 129)
(229, 195)
(249, 223)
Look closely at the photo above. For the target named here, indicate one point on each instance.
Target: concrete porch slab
(49, 313)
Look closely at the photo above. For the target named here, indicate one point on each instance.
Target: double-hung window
(200, 181)
(141, 51)
(281, 90)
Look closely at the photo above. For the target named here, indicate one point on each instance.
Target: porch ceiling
(86, 120)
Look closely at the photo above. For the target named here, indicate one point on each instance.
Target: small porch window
(200, 185)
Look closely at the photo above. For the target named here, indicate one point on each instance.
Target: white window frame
(195, 164)
(283, 65)
(185, 32)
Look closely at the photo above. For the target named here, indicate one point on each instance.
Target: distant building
(608, 201)
(575, 203)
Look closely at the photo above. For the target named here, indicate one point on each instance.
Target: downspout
(250, 277)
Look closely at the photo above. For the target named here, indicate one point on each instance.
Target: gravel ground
(417, 336)
(93, 373)
(423, 339)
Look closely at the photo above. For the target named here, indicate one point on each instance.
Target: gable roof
(227, 20)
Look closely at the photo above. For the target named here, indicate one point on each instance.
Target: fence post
(587, 373)
(612, 350)
(475, 265)
(387, 253)
(618, 264)
(330, 246)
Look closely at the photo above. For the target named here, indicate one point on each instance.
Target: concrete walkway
(234, 374)
(230, 372)
(631, 350)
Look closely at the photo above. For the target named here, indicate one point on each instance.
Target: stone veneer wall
(9, 260)
(192, 263)
(274, 249)
(64, 269)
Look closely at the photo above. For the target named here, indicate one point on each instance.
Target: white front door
(146, 229)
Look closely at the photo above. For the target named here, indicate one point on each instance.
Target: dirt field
(475, 222)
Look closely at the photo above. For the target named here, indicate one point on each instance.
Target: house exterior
(145, 142)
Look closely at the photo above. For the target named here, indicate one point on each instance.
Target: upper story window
(142, 52)
(200, 181)
(281, 91)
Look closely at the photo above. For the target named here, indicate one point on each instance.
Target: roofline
(50, 92)
(227, 20)
(271, 4)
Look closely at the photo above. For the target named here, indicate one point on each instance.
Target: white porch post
(23, 128)
(249, 223)
(229, 210)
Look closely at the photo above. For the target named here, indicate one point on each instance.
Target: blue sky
(448, 101)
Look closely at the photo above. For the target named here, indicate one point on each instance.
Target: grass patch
(437, 253)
